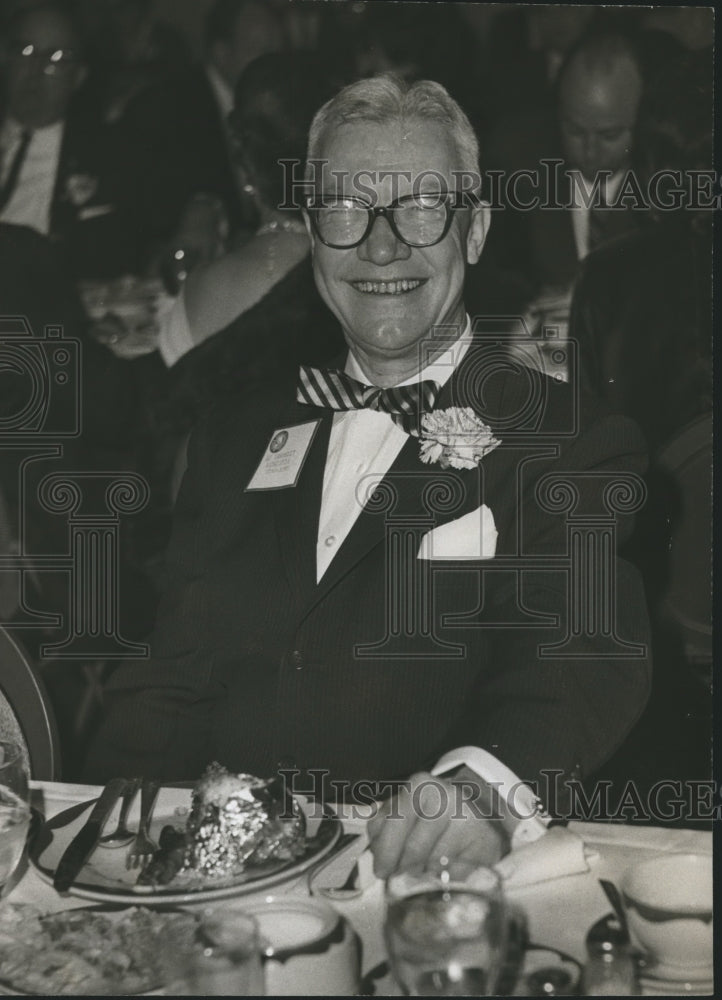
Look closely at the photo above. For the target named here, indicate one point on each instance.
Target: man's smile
(398, 286)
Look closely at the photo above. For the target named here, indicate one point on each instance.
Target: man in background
(548, 224)
(60, 172)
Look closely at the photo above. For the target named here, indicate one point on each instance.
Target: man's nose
(382, 246)
(591, 148)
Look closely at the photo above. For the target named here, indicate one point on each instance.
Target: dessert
(236, 822)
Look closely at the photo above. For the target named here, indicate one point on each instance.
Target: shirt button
(286, 764)
(331, 540)
(297, 659)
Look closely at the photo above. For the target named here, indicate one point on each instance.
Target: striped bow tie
(336, 390)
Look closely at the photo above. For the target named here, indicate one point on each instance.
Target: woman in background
(254, 314)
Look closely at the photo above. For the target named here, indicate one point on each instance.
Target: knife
(82, 844)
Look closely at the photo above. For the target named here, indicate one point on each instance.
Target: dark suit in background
(538, 244)
(642, 315)
(92, 217)
(184, 148)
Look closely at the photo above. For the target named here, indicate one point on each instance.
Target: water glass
(446, 937)
(223, 960)
(14, 809)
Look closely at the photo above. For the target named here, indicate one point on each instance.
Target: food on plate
(86, 951)
(236, 822)
(168, 860)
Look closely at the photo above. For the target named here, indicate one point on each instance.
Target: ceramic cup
(307, 947)
(669, 908)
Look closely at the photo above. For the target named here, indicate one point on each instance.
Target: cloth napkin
(558, 853)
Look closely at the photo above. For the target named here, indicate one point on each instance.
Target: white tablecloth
(559, 912)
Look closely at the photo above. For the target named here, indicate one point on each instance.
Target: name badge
(283, 458)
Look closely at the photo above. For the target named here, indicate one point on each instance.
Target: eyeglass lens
(419, 222)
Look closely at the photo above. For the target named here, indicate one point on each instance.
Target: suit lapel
(297, 508)
(411, 494)
(60, 209)
(554, 247)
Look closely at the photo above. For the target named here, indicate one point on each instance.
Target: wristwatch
(523, 804)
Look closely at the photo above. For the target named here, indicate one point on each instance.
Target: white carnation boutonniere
(455, 438)
(80, 188)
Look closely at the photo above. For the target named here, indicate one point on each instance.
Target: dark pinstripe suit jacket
(256, 665)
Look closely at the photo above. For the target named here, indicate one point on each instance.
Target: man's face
(41, 71)
(597, 113)
(388, 295)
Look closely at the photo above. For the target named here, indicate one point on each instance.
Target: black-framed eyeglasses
(57, 60)
(418, 220)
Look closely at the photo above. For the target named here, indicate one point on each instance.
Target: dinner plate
(104, 876)
(115, 913)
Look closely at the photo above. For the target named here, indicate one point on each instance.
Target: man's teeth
(387, 287)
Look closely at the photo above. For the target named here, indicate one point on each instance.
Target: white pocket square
(472, 536)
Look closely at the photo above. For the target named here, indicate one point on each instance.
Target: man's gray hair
(387, 98)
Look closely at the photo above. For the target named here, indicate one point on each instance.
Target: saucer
(661, 980)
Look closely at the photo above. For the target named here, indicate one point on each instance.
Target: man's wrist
(520, 810)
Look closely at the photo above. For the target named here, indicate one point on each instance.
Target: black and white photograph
(356, 529)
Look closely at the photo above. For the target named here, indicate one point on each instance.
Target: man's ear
(480, 222)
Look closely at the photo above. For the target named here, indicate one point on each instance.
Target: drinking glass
(14, 809)
(446, 937)
(223, 960)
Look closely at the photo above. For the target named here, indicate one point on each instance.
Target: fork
(122, 835)
(142, 848)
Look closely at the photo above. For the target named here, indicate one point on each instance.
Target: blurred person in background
(189, 194)
(693, 27)
(61, 172)
(642, 316)
(413, 41)
(129, 50)
(254, 313)
(643, 304)
(547, 224)
(525, 48)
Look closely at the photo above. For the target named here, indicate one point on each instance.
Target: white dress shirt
(30, 203)
(362, 448)
(581, 195)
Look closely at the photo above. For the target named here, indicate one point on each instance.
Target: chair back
(687, 460)
(26, 715)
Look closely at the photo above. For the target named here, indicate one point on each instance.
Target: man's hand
(431, 818)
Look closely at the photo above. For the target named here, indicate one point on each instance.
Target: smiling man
(333, 607)
(386, 294)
